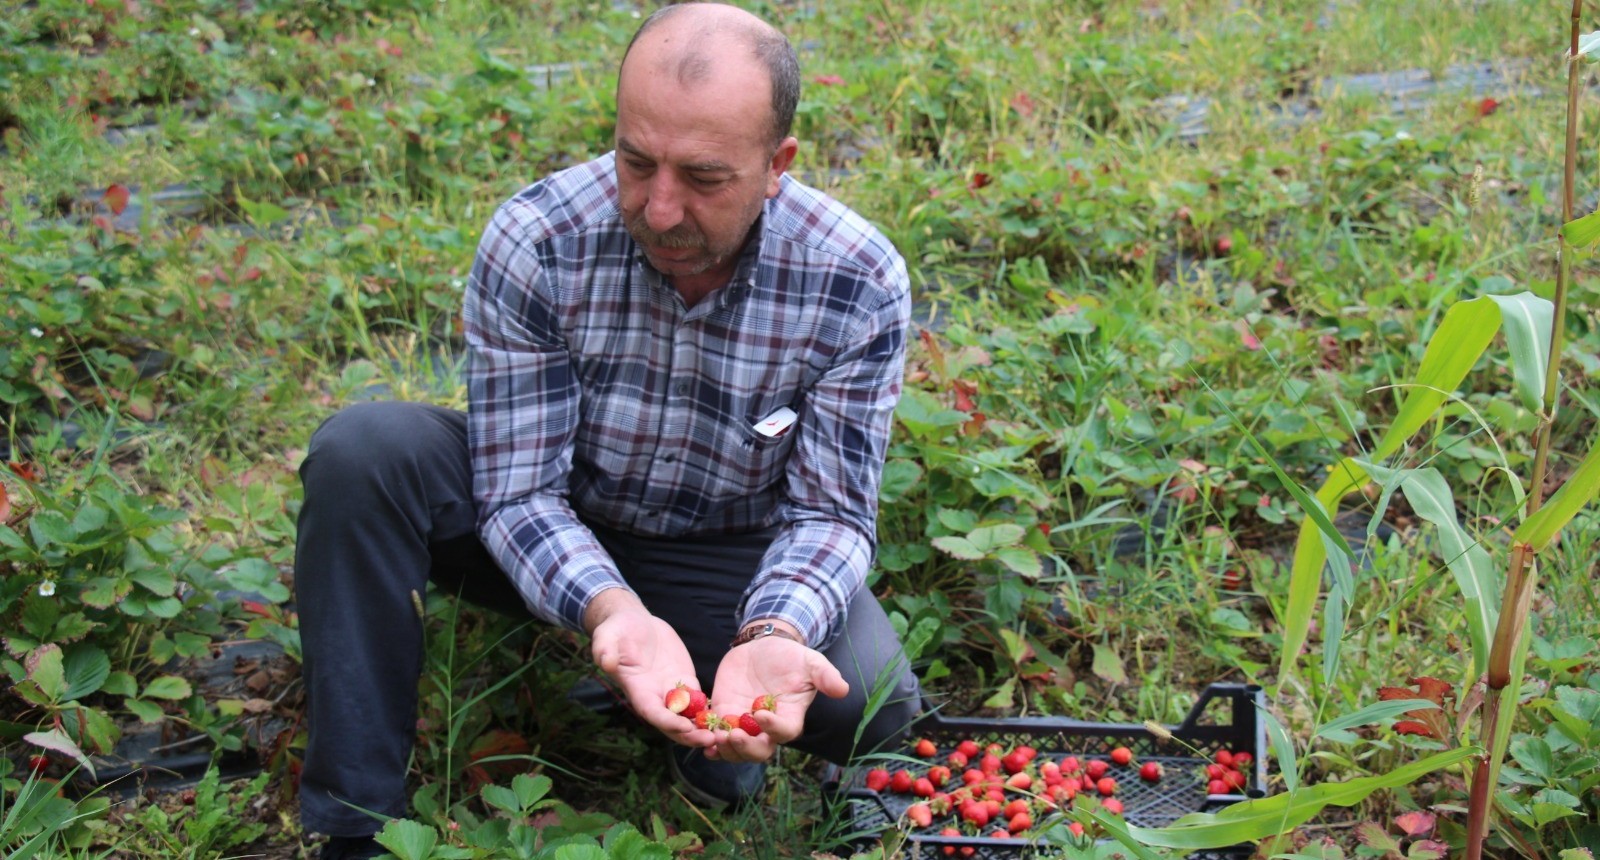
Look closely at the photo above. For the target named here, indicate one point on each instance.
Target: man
(684, 366)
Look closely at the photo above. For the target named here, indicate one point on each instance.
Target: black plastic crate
(1225, 717)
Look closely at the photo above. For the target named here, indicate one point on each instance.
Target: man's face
(694, 165)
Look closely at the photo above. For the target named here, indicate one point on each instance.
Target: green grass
(1025, 158)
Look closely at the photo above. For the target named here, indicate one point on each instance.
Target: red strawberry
(1070, 765)
(975, 813)
(1000, 834)
(920, 814)
(950, 850)
(901, 781)
(1150, 771)
(677, 699)
(968, 749)
(1020, 822)
(1014, 808)
(730, 721)
(938, 774)
(971, 776)
(1028, 753)
(922, 787)
(697, 704)
(1106, 786)
(1241, 760)
(990, 763)
(748, 725)
(1224, 758)
(1215, 771)
(705, 719)
(1235, 780)
(925, 748)
(877, 779)
(1020, 782)
(767, 702)
(1014, 762)
(1217, 786)
(957, 760)
(38, 763)
(1122, 756)
(1112, 805)
(1076, 828)
(1096, 768)
(995, 749)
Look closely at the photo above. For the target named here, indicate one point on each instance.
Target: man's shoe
(714, 784)
(351, 848)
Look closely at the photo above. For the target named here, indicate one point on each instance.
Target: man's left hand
(792, 673)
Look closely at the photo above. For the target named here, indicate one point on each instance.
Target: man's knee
(366, 439)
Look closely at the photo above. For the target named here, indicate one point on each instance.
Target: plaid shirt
(593, 389)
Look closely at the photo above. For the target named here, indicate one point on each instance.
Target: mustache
(676, 238)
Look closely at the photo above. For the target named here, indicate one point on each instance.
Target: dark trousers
(388, 506)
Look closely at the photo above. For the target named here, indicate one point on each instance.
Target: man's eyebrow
(712, 166)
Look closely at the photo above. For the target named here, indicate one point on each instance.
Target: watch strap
(761, 631)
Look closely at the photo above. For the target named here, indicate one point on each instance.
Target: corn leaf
(1580, 489)
(1281, 813)
(1462, 336)
(1525, 320)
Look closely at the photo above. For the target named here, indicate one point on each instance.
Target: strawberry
(971, 776)
(1014, 762)
(1215, 771)
(975, 813)
(1020, 782)
(925, 748)
(677, 699)
(707, 720)
(1217, 786)
(697, 703)
(1075, 828)
(1028, 753)
(901, 782)
(920, 814)
(1000, 834)
(990, 763)
(938, 774)
(1241, 760)
(1235, 780)
(922, 787)
(877, 779)
(950, 850)
(1096, 768)
(38, 763)
(1014, 808)
(1150, 771)
(995, 749)
(748, 725)
(1112, 805)
(1224, 758)
(1122, 756)
(729, 721)
(1106, 786)
(1070, 765)
(1019, 822)
(957, 760)
(968, 749)
(767, 702)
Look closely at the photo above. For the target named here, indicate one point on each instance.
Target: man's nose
(664, 210)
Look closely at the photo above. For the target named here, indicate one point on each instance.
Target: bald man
(684, 367)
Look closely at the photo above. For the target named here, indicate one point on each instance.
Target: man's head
(705, 99)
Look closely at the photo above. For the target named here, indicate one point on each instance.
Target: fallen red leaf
(1248, 337)
(829, 80)
(1023, 104)
(1487, 106)
(26, 471)
(1416, 823)
(116, 197)
(979, 180)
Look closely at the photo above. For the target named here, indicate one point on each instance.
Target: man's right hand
(645, 656)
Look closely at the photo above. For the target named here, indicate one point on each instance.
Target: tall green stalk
(1504, 677)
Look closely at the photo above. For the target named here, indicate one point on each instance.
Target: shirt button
(653, 514)
(681, 389)
(669, 458)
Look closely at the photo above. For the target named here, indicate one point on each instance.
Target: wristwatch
(761, 631)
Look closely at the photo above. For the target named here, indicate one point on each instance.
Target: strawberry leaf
(116, 198)
(56, 740)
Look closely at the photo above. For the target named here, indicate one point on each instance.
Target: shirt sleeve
(828, 532)
(522, 420)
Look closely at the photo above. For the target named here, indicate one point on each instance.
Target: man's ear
(780, 164)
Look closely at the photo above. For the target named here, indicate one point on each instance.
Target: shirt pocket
(752, 463)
